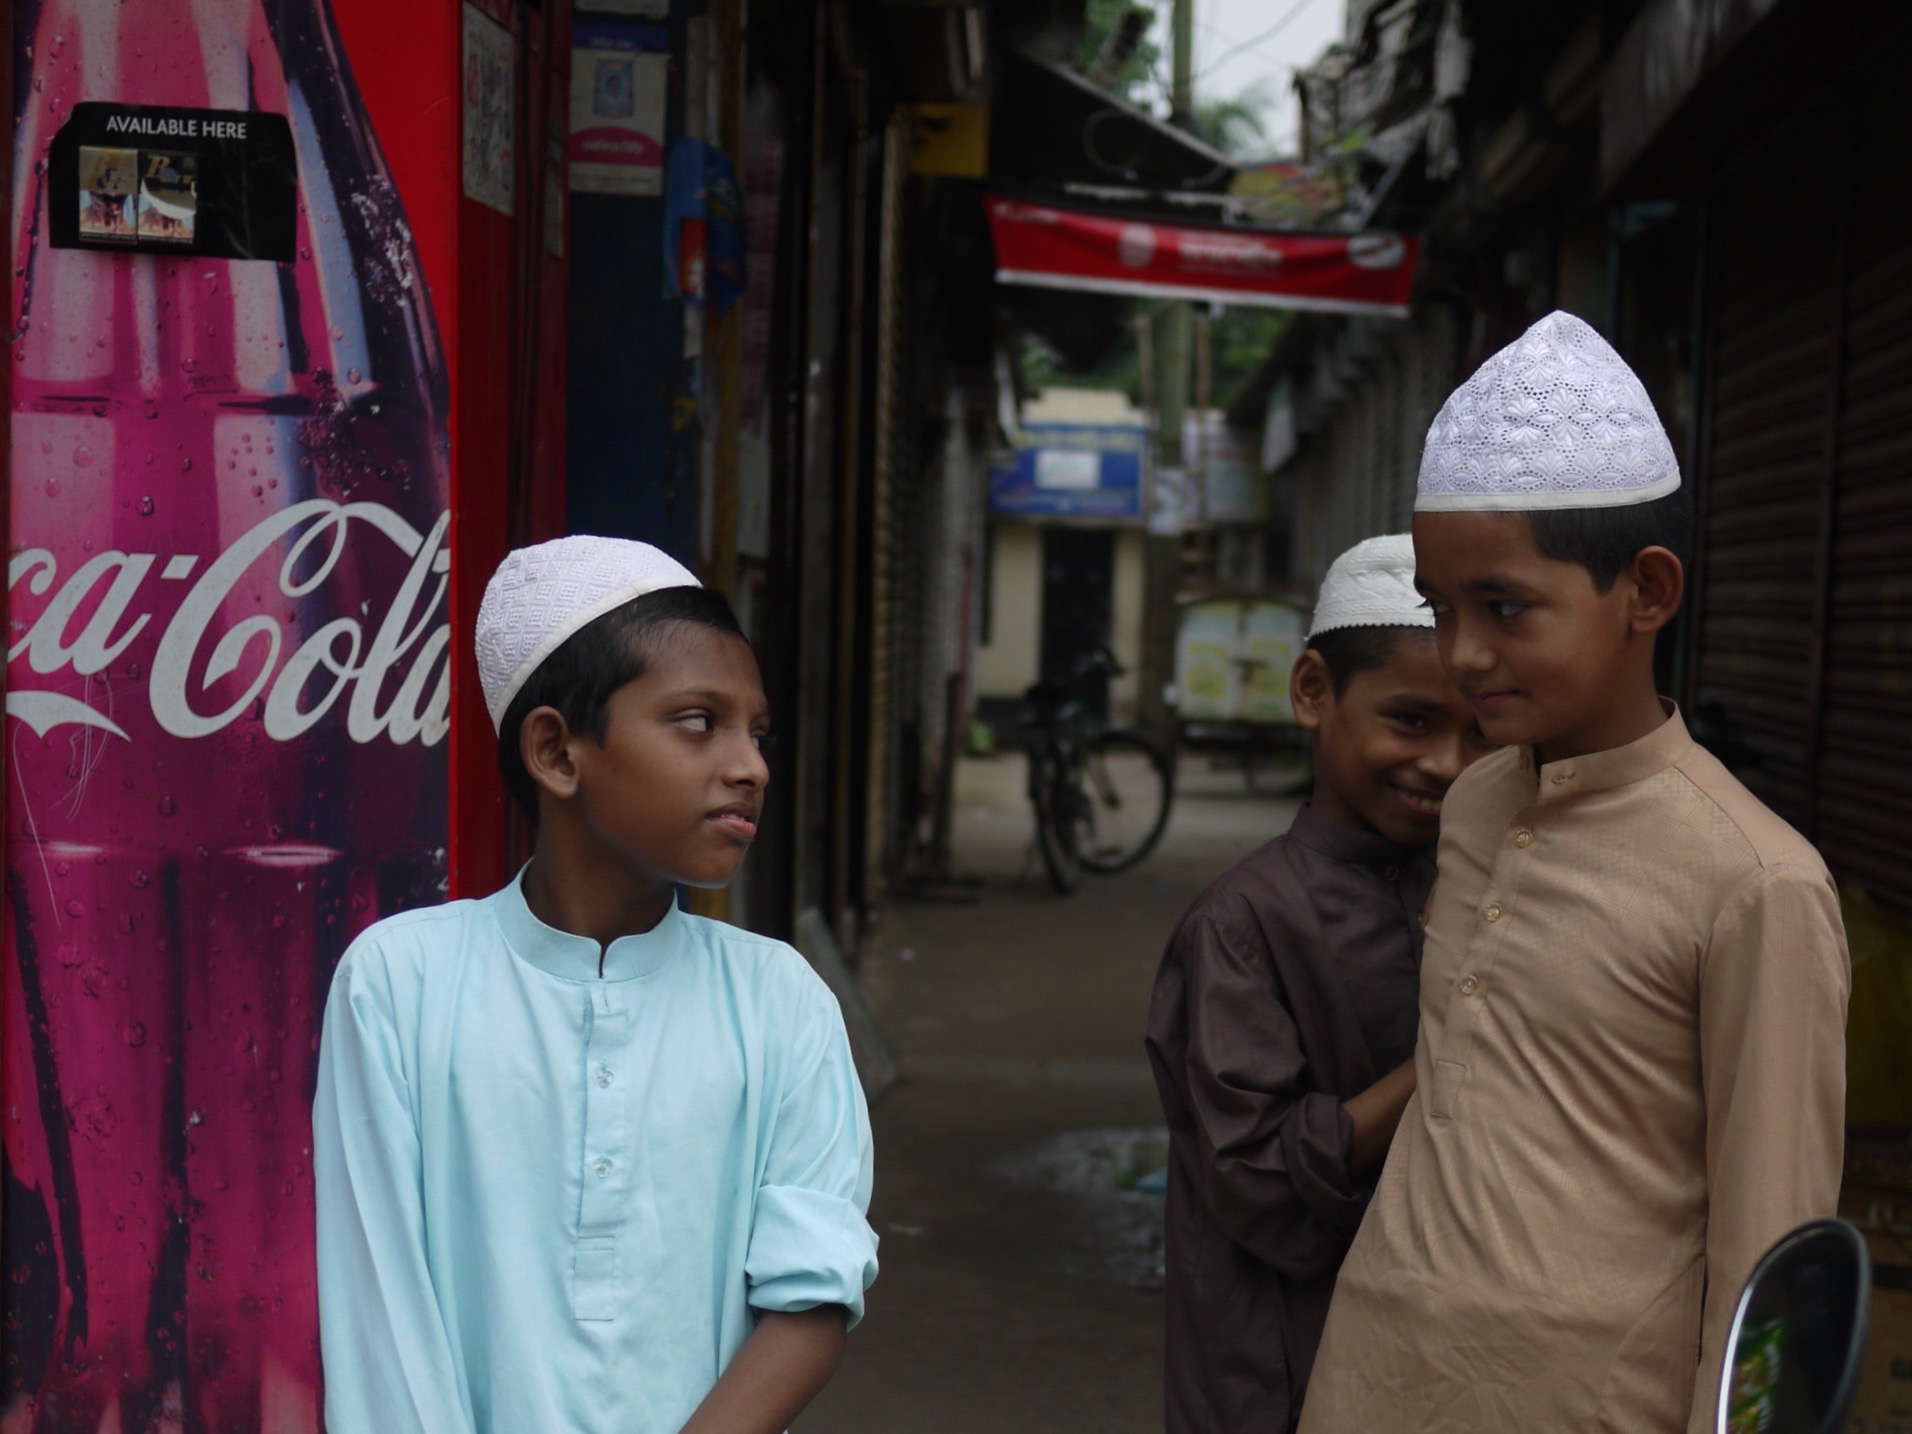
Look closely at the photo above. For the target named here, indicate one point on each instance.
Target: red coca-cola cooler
(251, 504)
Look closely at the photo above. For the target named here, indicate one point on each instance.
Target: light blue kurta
(549, 1199)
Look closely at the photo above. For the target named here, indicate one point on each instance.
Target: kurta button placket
(1469, 985)
(607, 1160)
(1493, 912)
(1523, 838)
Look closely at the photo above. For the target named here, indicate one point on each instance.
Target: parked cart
(1233, 653)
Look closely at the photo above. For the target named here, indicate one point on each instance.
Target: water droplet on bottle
(141, 880)
(352, 375)
(76, 907)
(258, 490)
(185, 465)
(82, 456)
(167, 806)
(53, 487)
(146, 504)
(135, 1034)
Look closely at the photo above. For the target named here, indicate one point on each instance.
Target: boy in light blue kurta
(586, 1162)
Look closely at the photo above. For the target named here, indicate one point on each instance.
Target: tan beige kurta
(1632, 1081)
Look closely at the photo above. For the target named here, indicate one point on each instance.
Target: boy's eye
(1410, 720)
(696, 721)
(1439, 609)
(1505, 610)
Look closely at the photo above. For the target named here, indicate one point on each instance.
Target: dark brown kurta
(1290, 985)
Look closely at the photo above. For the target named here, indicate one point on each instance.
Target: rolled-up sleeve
(1274, 1153)
(810, 1241)
(1773, 1063)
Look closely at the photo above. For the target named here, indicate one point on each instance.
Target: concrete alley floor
(1020, 1286)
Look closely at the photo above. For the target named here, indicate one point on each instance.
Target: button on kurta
(1492, 913)
(1523, 838)
(604, 1077)
(1469, 985)
(603, 1168)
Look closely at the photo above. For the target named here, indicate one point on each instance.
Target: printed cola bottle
(227, 691)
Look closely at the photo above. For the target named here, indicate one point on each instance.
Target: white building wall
(1008, 662)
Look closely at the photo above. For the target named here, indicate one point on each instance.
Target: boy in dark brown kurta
(1284, 1017)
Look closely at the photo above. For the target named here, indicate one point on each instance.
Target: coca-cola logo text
(334, 664)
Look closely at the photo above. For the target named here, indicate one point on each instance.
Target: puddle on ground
(1115, 1178)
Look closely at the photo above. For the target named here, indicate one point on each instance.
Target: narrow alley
(1020, 1286)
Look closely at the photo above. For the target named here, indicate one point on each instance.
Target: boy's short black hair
(1348, 650)
(591, 664)
(1605, 541)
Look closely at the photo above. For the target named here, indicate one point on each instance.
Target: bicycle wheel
(1126, 788)
(1055, 827)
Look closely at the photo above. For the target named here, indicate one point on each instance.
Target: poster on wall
(620, 79)
(490, 96)
(226, 711)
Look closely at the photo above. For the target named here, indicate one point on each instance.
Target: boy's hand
(782, 1366)
(1375, 1113)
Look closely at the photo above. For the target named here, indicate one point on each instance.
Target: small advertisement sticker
(491, 111)
(620, 77)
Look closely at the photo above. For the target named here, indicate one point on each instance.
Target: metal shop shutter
(1770, 394)
(1863, 812)
(1803, 589)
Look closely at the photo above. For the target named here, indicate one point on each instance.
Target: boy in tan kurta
(1632, 1060)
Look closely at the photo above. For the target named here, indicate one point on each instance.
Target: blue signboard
(1073, 470)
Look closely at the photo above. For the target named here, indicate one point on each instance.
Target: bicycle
(1101, 794)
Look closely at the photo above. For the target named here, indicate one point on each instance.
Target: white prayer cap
(1554, 420)
(543, 594)
(1371, 585)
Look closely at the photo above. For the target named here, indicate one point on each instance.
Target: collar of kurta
(575, 958)
(1613, 768)
(1349, 845)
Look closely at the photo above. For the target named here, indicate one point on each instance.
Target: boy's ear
(1659, 582)
(1311, 689)
(545, 743)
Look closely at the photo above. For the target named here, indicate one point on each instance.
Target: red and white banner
(1061, 248)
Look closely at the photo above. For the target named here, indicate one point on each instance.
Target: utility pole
(1163, 568)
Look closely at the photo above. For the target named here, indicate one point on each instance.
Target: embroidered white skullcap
(1371, 585)
(543, 594)
(1554, 420)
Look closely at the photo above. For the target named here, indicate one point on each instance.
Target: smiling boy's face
(1390, 743)
(1543, 656)
(675, 789)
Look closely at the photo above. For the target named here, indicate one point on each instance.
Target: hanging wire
(1273, 30)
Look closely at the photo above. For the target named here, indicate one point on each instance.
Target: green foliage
(1237, 126)
(1042, 368)
(1104, 17)
(1239, 341)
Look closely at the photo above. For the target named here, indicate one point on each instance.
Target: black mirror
(1798, 1335)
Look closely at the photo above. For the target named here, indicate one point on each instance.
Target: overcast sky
(1233, 50)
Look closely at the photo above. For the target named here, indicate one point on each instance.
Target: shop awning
(1067, 247)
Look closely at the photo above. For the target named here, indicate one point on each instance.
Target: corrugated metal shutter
(1863, 820)
(1771, 393)
(1804, 583)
